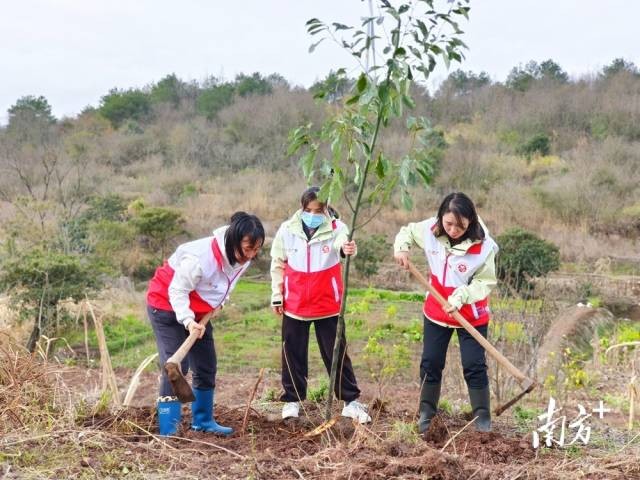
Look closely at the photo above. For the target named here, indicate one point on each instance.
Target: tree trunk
(35, 335)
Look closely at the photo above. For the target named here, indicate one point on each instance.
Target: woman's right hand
(278, 310)
(402, 259)
(196, 327)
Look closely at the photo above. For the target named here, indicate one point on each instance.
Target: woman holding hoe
(196, 280)
(461, 258)
(306, 281)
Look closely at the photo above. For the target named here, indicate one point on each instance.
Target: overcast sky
(75, 51)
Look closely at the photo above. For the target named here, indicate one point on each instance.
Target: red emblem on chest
(462, 268)
(325, 249)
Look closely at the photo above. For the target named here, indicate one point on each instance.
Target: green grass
(248, 334)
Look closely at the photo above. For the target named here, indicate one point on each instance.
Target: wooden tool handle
(501, 359)
(191, 339)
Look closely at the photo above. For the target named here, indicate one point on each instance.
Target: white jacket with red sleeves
(306, 275)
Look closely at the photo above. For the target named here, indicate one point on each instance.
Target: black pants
(201, 359)
(434, 353)
(295, 358)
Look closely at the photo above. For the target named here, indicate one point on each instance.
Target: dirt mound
(438, 431)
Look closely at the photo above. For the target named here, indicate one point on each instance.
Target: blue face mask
(312, 220)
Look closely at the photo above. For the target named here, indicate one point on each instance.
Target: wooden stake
(108, 376)
(253, 394)
(135, 380)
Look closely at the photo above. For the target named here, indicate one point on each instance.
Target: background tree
(169, 90)
(31, 108)
(158, 226)
(523, 255)
(417, 35)
(214, 98)
(38, 280)
(43, 177)
(522, 78)
(371, 251)
(460, 83)
(333, 87)
(120, 105)
(617, 66)
(255, 84)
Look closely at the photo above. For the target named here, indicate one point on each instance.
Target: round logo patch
(325, 249)
(462, 268)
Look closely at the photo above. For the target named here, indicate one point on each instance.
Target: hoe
(180, 385)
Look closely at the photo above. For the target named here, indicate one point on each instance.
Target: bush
(537, 145)
(119, 106)
(371, 251)
(37, 280)
(159, 226)
(523, 255)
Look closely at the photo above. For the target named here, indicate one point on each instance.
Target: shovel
(181, 387)
(526, 383)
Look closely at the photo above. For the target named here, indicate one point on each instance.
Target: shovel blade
(180, 386)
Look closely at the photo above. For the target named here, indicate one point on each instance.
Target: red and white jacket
(464, 274)
(306, 276)
(195, 280)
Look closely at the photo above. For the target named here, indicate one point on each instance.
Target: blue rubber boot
(202, 412)
(169, 417)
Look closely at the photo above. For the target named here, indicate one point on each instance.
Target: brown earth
(271, 448)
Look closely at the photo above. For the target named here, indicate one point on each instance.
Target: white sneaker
(357, 411)
(290, 410)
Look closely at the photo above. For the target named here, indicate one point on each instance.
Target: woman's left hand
(349, 248)
(450, 309)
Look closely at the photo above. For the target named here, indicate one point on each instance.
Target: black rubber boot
(481, 407)
(429, 396)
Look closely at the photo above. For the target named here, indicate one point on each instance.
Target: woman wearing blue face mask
(306, 282)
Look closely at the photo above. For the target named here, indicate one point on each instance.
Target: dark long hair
(311, 194)
(462, 207)
(242, 225)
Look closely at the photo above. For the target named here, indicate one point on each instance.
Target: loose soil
(271, 448)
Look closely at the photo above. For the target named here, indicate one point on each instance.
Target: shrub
(537, 145)
(522, 255)
(38, 280)
(119, 106)
(159, 226)
(213, 99)
(371, 251)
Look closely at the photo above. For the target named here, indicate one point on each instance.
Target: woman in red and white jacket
(461, 258)
(197, 279)
(306, 282)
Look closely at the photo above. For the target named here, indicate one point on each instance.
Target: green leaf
(306, 162)
(447, 60)
(383, 92)
(382, 166)
(408, 101)
(407, 201)
(353, 99)
(313, 46)
(400, 52)
(362, 83)
(336, 146)
(341, 26)
(455, 56)
(423, 28)
(425, 172)
(403, 8)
